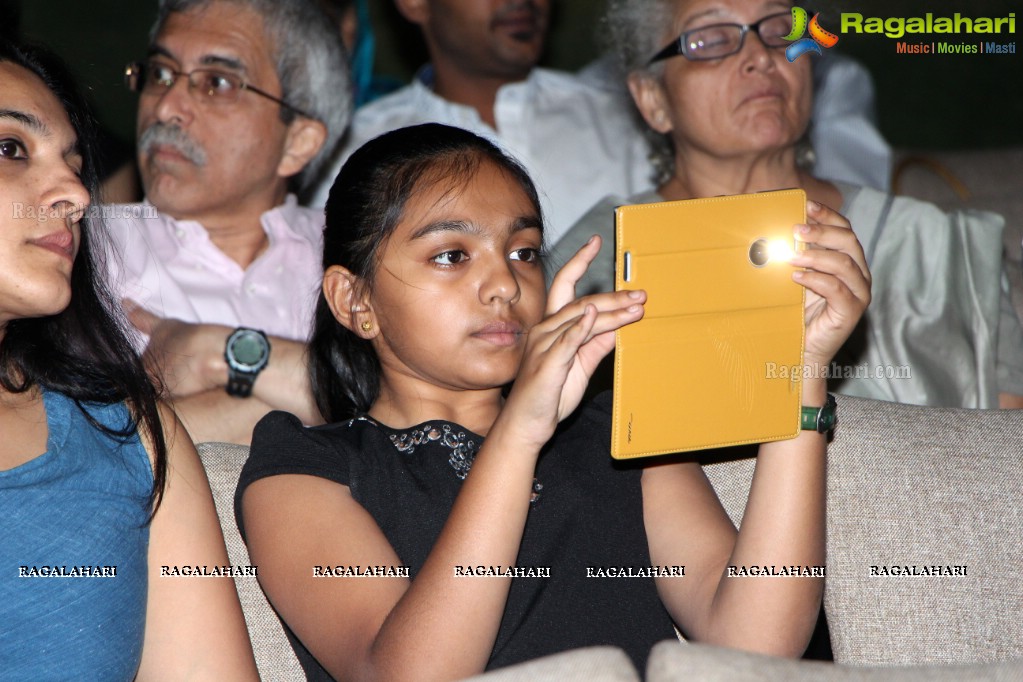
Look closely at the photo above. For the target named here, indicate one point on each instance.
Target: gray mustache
(172, 136)
(514, 7)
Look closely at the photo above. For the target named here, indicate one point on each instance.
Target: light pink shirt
(172, 269)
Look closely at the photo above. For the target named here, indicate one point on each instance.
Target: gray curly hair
(633, 31)
(310, 64)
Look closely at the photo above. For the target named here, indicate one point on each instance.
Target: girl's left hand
(836, 278)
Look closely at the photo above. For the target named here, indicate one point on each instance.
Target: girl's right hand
(563, 350)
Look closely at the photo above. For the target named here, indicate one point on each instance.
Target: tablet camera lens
(759, 253)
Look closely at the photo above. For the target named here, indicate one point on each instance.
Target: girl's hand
(837, 281)
(564, 349)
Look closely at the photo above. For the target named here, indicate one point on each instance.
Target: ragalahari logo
(818, 36)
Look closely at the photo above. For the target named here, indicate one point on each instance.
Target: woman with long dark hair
(101, 491)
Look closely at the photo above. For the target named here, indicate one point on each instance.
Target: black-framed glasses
(207, 85)
(722, 40)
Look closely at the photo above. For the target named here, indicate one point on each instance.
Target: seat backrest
(589, 664)
(670, 663)
(911, 488)
(274, 656)
(907, 486)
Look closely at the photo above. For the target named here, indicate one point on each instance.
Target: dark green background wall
(924, 101)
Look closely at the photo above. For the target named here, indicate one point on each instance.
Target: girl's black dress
(585, 521)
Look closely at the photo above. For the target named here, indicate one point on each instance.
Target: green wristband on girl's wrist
(820, 419)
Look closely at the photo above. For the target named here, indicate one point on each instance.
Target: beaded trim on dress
(463, 449)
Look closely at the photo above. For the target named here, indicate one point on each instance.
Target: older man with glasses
(240, 104)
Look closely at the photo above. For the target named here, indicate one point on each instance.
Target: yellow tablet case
(717, 358)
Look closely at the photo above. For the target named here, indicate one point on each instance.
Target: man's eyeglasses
(722, 40)
(209, 85)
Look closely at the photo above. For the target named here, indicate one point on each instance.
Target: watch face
(828, 415)
(248, 348)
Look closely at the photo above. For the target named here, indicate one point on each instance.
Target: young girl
(433, 302)
(99, 487)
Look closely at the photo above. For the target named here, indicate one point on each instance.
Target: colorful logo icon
(818, 36)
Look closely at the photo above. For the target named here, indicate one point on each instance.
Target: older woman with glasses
(712, 81)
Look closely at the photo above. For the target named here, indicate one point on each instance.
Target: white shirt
(847, 144)
(172, 268)
(577, 141)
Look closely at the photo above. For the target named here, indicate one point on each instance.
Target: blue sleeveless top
(73, 551)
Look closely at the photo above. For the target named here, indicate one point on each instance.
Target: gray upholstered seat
(907, 486)
(670, 662)
(917, 486)
(274, 657)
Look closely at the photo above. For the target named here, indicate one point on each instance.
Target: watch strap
(239, 384)
(820, 419)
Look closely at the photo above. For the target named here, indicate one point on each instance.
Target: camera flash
(780, 250)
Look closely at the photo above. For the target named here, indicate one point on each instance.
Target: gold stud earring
(366, 326)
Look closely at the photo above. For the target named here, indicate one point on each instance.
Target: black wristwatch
(247, 352)
(820, 419)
